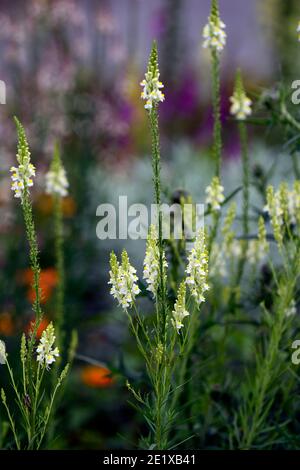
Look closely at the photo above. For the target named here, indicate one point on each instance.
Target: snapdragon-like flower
(151, 84)
(56, 178)
(46, 350)
(57, 183)
(22, 175)
(240, 103)
(180, 312)
(240, 106)
(123, 280)
(215, 194)
(197, 268)
(22, 178)
(151, 272)
(2, 352)
(214, 34)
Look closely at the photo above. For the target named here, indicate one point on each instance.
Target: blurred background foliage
(72, 71)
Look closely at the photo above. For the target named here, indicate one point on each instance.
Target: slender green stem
(216, 100)
(12, 425)
(59, 254)
(153, 117)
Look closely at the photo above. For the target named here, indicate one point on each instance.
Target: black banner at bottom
(135, 459)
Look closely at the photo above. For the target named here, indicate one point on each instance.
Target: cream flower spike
(240, 103)
(151, 84)
(123, 280)
(46, 351)
(56, 178)
(180, 312)
(214, 34)
(197, 268)
(215, 194)
(22, 175)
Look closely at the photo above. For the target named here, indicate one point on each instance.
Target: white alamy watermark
(296, 353)
(2, 92)
(296, 94)
(133, 221)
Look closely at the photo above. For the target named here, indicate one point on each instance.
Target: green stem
(12, 425)
(216, 100)
(58, 229)
(153, 116)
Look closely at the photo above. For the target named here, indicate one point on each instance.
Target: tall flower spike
(22, 175)
(215, 194)
(197, 268)
(240, 103)
(56, 178)
(214, 34)
(46, 350)
(180, 312)
(123, 280)
(151, 84)
(151, 271)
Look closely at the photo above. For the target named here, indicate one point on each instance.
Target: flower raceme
(197, 268)
(214, 34)
(22, 178)
(215, 194)
(22, 175)
(283, 207)
(56, 178)
(240, 106)
(240, 103)
(46, 350)
(152, 262)
(151, 84)
(123, 280)
(180, 312)
(56, 182)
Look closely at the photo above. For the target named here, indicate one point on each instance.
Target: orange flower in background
(43, 325)
(68, 206)
(48, 280)
(6, 324)
(45, 205)
(96, 377)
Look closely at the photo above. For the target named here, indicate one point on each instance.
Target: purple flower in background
(183, 100)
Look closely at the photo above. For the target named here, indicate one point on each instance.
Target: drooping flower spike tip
(214, 34)
(47, 353)
(56, 178)
(240, 103)
(151, 84)
(123, 280)
(22, 175)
